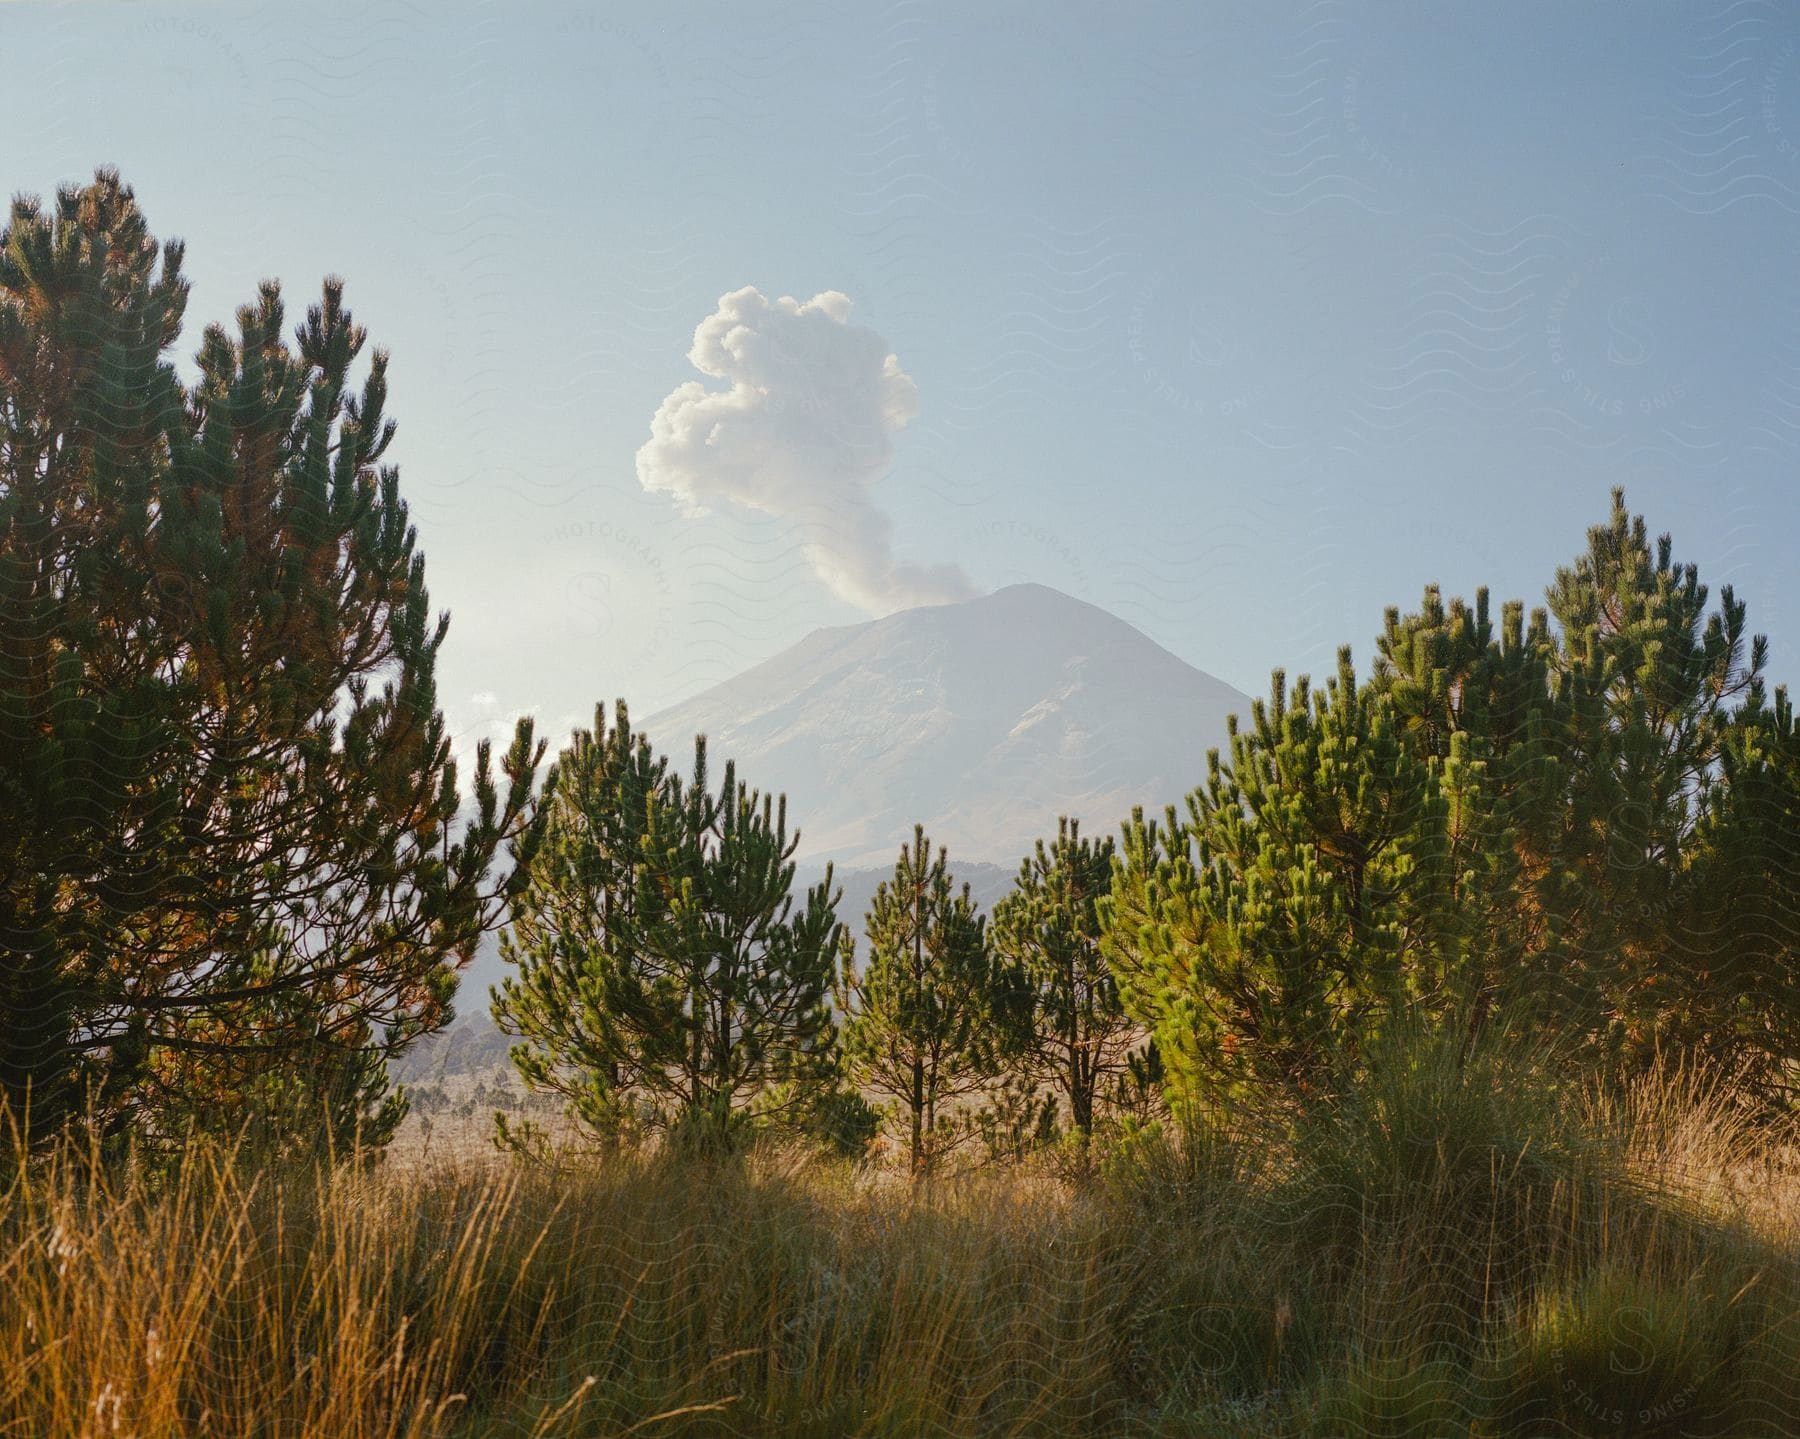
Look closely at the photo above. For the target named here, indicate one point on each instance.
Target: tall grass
(1441, 1248)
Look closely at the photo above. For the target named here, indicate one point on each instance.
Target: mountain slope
(985, 720)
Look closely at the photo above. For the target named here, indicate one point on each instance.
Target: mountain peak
(985, 720)
(1031, 589)
(1026, 592)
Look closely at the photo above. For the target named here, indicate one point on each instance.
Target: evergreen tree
(735, 981)
(1047, 932)
(1603, 743)
(1647, 681)
(1476, 707)
(666, 976)
(229, 822)
(572, 926)
(1303, 895)
(1588, 818)
(930, 1016)
(331, 1101)
(1735, 991)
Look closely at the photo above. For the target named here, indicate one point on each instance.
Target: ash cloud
(803, 430)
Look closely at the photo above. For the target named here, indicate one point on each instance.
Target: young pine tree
(930, 1016)
(1299, 903)
(230, 830)
(572, 926)
(1735, 995)
(1046, 931)
(1591, 816)
(734, 979)
(1472, 704)
(1648, 677)
(666, 978)
(1603, 866)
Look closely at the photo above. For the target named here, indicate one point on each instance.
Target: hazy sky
(1240, 323)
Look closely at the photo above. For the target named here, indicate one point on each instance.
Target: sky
(713, 324)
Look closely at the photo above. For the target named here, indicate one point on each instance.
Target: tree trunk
(918, 1114)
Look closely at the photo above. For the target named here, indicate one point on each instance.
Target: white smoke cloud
(803, 430)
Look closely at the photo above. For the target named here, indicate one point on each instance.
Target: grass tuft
(1442, 1245)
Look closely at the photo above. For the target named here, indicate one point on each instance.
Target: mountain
(984, 720)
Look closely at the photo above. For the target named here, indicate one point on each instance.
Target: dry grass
(1625, 1267)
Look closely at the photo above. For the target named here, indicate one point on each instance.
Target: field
(1447, 1251)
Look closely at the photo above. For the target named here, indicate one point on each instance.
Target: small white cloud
(803, 429)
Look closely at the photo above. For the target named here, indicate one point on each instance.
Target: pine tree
(1735, 991)
(230, 817)
(930, 1016)
(1600, 747)
(1587, 820)
(1475, 706)
(1301, 899)
(665, 976)
(573, 924)
(329, 1102)
(1047, 932)
(735, 979)
(1647, 680)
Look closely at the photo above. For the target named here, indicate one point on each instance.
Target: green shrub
(1391, 1394)
(1454, 1167)
(1617, 1352)
(842, 1121)
(1165, 1169)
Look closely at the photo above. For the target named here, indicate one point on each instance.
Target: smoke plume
(803, 429)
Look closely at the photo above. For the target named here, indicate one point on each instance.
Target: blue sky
(1239, 322)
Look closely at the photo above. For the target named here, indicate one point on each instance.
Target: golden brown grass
(1415, 1267)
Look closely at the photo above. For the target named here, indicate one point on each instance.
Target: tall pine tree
(1046, 930)
(930, 1016)
(1599, 748)
(665, 975)
(1648, 677)
(1301, 898)
(1736, 993)
(573, 925)
(1585, 820)
(232, 836)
